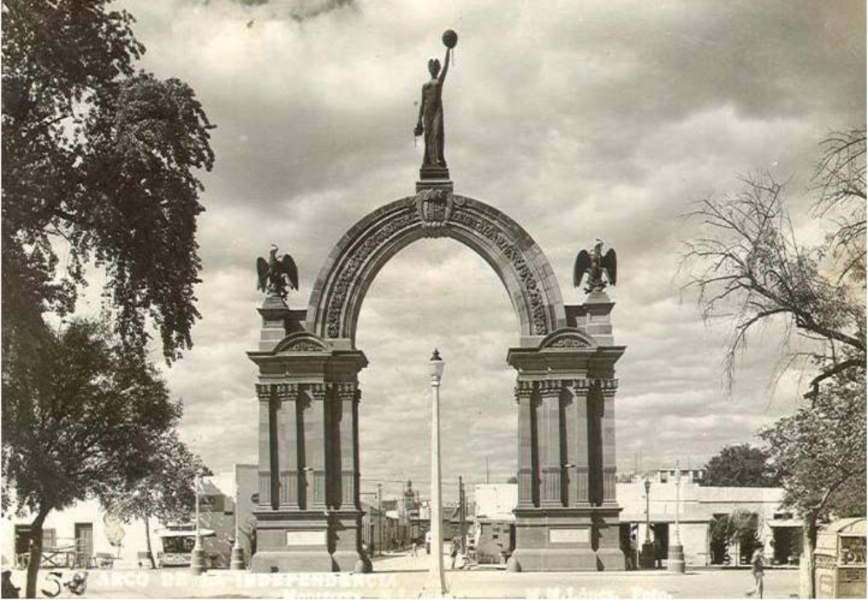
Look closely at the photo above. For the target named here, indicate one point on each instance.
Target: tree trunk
(809, 543)
(148, 542)
(35, 551)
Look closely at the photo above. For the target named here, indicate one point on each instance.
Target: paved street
(405, 576)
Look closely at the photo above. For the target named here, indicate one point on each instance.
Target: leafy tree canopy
(99, 161)
(81, 419)
(740, 466)
(819, 452)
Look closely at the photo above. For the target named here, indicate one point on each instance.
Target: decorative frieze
(510, 250)
(358, 257)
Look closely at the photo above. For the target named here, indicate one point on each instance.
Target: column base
(294, 561)
(675, 559)
(237, 561)
(647, 558)
(567, 539)
(551, 559)
(292, 541)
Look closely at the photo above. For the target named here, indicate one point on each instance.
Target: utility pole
(486, 471)
(462, 515)
(380, 518)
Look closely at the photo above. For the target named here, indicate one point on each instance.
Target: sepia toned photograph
(454, 299)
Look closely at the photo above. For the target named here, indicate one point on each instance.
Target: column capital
(318, 391)
(264, 391)
(607, 387)
(551, 388)
(346, 391)
(286, 391)
(523, 391)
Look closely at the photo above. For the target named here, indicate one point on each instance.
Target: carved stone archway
(309, 515)
(351, 267)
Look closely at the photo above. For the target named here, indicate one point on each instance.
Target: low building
(700, 509)
(84, 536)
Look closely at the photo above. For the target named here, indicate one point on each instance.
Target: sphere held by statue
(450, 38)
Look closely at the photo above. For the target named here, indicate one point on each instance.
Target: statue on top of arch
(275, 274)
(430, 122)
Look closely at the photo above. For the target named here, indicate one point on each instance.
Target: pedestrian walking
(453, 551)
(756, 569)
(414, 546)
(632, 560)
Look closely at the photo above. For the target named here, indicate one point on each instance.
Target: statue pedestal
(434, 178)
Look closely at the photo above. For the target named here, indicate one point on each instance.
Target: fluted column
(314, 447)
(527, 477)
(607, 389)
(550, 443)
(579, 451)
(346, 421)
(268, 447)
(290, 467)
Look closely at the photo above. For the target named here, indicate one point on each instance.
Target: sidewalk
(178, 583)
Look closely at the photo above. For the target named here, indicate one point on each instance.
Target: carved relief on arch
(343, 280)
(301, 341)
(567, 339)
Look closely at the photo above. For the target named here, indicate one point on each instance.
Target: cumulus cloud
(578, 119)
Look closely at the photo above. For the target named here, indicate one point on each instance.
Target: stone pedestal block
(291, 541)
(566, 539)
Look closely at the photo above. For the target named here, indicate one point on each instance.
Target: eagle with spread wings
(595, 264)
(275, 273)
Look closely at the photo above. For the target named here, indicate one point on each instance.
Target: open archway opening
(434, 293)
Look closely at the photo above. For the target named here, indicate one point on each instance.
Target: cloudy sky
(578, 119)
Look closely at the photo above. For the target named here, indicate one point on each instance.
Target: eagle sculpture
(595, 264)
(275, 273)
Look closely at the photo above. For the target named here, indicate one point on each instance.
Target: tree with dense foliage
(83, 418)
(99, 162)
(749, 267)
(820, 452)
(740, 466)
(167, 493)
(99, 167)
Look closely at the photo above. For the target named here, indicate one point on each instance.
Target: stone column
(346, 412)
(569, 439)
(607, 388)
(314, 445)
(550, 443)
(528, 494)
(290, 467)
(268, 453)
(579, 452)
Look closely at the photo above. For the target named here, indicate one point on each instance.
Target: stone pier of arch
(309, 513)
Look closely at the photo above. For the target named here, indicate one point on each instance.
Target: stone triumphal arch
(309, 513)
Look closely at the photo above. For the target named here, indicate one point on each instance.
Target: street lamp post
(197, 559)
(436, 576)
(675, 558)
(646, 560)
(236, 563)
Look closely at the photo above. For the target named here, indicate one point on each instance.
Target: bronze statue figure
(595, 264)
(430, 123)
(274, 274)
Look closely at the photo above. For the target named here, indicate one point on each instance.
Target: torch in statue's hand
(450, 38)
